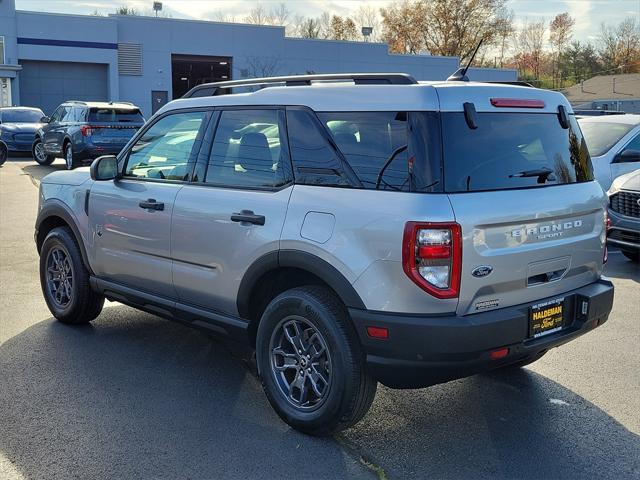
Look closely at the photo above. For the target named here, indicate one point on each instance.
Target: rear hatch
(111, 127)
(521, 187)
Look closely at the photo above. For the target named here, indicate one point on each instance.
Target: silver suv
(354, 229)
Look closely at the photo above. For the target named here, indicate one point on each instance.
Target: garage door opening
(187, 71)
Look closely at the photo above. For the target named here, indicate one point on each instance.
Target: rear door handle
(151, 204)
(247, 216)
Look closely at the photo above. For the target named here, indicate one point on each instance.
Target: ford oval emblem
(482, 271)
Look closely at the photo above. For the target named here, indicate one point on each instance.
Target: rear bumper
(91, 152)
(624, 231)
(426, 350)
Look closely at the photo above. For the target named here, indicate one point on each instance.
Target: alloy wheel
(300, 363)
(59, 277)
(41, 156)
(69, 157)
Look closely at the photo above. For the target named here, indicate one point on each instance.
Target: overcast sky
(588, 13)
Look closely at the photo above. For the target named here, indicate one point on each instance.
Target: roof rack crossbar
(208, 89)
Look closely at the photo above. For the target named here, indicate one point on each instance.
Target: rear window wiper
(543, 174)
(393, 155)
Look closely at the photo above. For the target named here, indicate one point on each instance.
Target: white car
(614, 145)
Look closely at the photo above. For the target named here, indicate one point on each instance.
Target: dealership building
(48, 58)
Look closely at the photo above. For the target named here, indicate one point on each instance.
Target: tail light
(432, 257)
(516, 103)
(86, 130)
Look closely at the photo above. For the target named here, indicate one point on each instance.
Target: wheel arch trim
(300, 260)
(56, 208)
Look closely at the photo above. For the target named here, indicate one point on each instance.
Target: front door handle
(151, 204)
(247, 216)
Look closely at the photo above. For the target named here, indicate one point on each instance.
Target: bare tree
(367, 16)
(560, 32)
(531, 46)
(504, 33)
(258, 15)
(262, 66)
(628, 54)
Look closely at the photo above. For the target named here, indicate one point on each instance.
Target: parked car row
(76, 131)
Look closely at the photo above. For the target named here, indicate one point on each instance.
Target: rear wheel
(68, 156)
(310, 362)
(633, 255)
(39, 155)
(4, 153)
(65, 280)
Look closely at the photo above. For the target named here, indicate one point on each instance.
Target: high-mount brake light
(432, 257)
(517, 103)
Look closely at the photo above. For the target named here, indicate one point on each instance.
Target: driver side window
(164, 150)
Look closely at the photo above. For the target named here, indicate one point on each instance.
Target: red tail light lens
(86, 130)
(432, 257)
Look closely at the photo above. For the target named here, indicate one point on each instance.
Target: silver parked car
(353, 228)
(614, 145)
(624, 215)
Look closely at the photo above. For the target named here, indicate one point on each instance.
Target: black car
(18, 126)
(81, 131)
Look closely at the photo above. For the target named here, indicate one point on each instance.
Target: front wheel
(39, 155)
(65, 280)
(4, 153)
(633, 255)
(310, 362)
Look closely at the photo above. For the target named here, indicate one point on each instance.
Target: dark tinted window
(113, 115)
(316, 161)
(248, 150)
(388, 150)
(21, 116)
(512, 150)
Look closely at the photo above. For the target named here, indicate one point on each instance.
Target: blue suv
(81, 131)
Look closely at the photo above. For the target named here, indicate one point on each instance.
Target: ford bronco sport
(354, 229)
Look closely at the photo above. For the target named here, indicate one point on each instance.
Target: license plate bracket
(547, 317)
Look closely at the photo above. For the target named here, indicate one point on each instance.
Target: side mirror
(45, 119)
(104, 168)
(627, 156)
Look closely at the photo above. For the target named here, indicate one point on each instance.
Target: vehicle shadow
(505, 424)
(36, 171)
(134, 396)
(619, 267)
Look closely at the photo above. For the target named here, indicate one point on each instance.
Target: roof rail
(221, 88)
(514, 82)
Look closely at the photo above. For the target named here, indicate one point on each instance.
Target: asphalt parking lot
(135, 396)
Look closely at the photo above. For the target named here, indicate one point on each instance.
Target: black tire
(78, 303)
(69, 158)
(633, 255)
(39, 156)
(524, 362)
(349, 392)
(4, 153)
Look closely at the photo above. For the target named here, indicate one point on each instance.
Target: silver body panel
(192, 252)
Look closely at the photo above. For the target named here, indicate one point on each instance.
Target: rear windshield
(115, 115)
(512, 150)
(389, 150)
(601, 136)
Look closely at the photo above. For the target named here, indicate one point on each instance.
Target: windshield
(602, 136)
(512, 150)
(115, 115)
(21, 116)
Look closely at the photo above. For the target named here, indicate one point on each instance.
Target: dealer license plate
(546, 318)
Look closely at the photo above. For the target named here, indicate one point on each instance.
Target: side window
(57, 115)
(374, 144)
(164, 150)
(315, 160)
(631, 152)
(248, 150)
